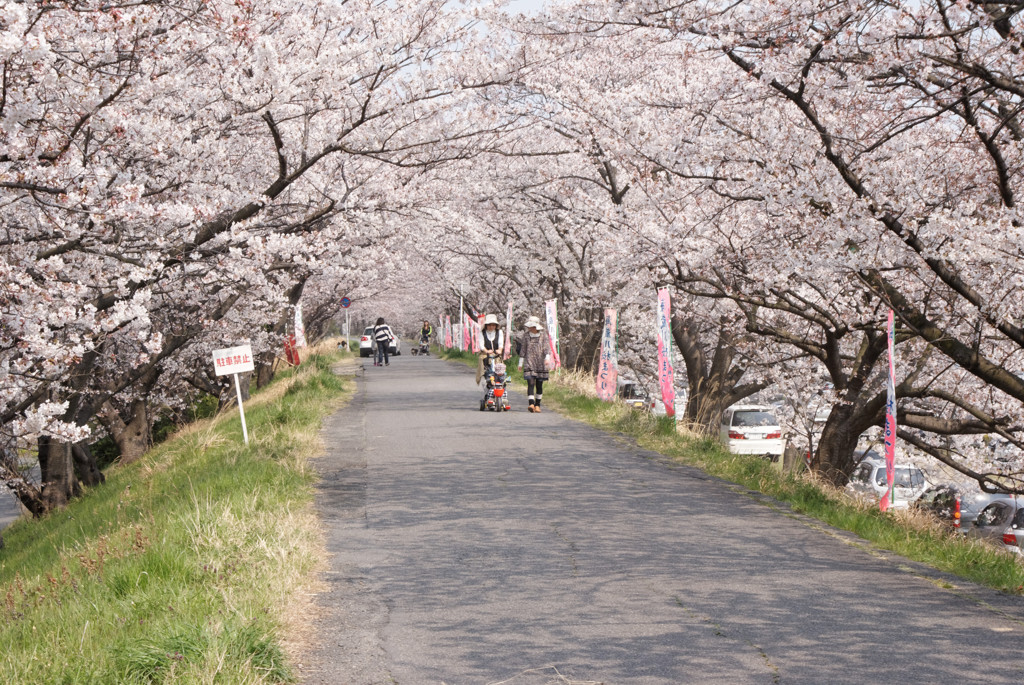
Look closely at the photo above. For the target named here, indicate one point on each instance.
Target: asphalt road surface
(527, 549)
(10, 510)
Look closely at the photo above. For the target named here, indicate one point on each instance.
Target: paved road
(474, 547)
(10, 510)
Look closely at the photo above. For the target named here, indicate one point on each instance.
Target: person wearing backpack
(383, 336)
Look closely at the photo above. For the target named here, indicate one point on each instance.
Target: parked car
(658, 406)
(1013, 537)
(868, 480)
(753, 429)
(995, 518)
(633, 394)
(940, 500)
(368, 346)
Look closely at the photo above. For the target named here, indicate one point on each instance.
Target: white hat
(533, 322)
(491, 318)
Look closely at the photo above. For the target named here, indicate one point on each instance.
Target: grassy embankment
(187, 566)
(913, 536)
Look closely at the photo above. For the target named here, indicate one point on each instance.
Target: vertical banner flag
(478, 333)
(890, 419)
(608, 370)
(551, 311)
(462, 323)
(666, 375)
(447, 331)
(507, 352)
(300, 330)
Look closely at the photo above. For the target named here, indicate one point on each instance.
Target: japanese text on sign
(233, 360)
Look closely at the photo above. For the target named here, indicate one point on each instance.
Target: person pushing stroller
(490, 369)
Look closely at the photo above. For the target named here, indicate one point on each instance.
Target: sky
(526, 6)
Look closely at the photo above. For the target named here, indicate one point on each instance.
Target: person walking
(492, 344)
(533, 356)
(383, 336)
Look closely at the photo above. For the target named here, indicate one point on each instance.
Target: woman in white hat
(492, 341)
(532, 358)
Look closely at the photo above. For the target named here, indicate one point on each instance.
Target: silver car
(994, 519)
(1013, 537)
(940, 500)
(868, 480)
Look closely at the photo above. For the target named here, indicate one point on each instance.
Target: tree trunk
(133, 437)
(264, 369)
(714, 384)
(58, 473)
(29, 495)
(265, 362)
(835, 457)
(704, 407)
(86, 469)
(244, 384)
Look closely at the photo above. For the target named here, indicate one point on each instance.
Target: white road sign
(233, 360)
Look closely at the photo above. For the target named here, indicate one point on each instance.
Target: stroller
(496, 379)
(424, 345)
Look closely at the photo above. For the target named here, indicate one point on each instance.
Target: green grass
(182, 566)
(912, 536)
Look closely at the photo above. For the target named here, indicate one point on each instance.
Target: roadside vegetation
(909, 534)
(184, 566)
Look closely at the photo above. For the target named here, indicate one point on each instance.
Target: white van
(753, 429)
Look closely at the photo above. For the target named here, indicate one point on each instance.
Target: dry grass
(578, 382)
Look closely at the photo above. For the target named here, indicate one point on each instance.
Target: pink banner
(507, 352)
(448, 331)
(890, 418)
(551, 312)
(478, 331)
(608, 368)
(666, 375)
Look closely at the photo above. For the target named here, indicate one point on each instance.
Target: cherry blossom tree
(168, 167)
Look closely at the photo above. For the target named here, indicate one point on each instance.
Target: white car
(368, 347)
(868, 480)
(753, 429)
(366, 342)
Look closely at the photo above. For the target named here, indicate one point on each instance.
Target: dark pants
(382, 353)
(534, 390)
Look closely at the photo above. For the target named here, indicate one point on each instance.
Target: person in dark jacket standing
(533, 358)
(383, 336)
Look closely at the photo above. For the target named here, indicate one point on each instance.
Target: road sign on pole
(345, 302)
(235, 360)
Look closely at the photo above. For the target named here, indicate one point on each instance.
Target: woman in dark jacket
(532, 355)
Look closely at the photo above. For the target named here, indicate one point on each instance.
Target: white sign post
(235, 360)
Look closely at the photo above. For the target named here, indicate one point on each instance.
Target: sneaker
(536, 410)
(531, 409)
(387, 363)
